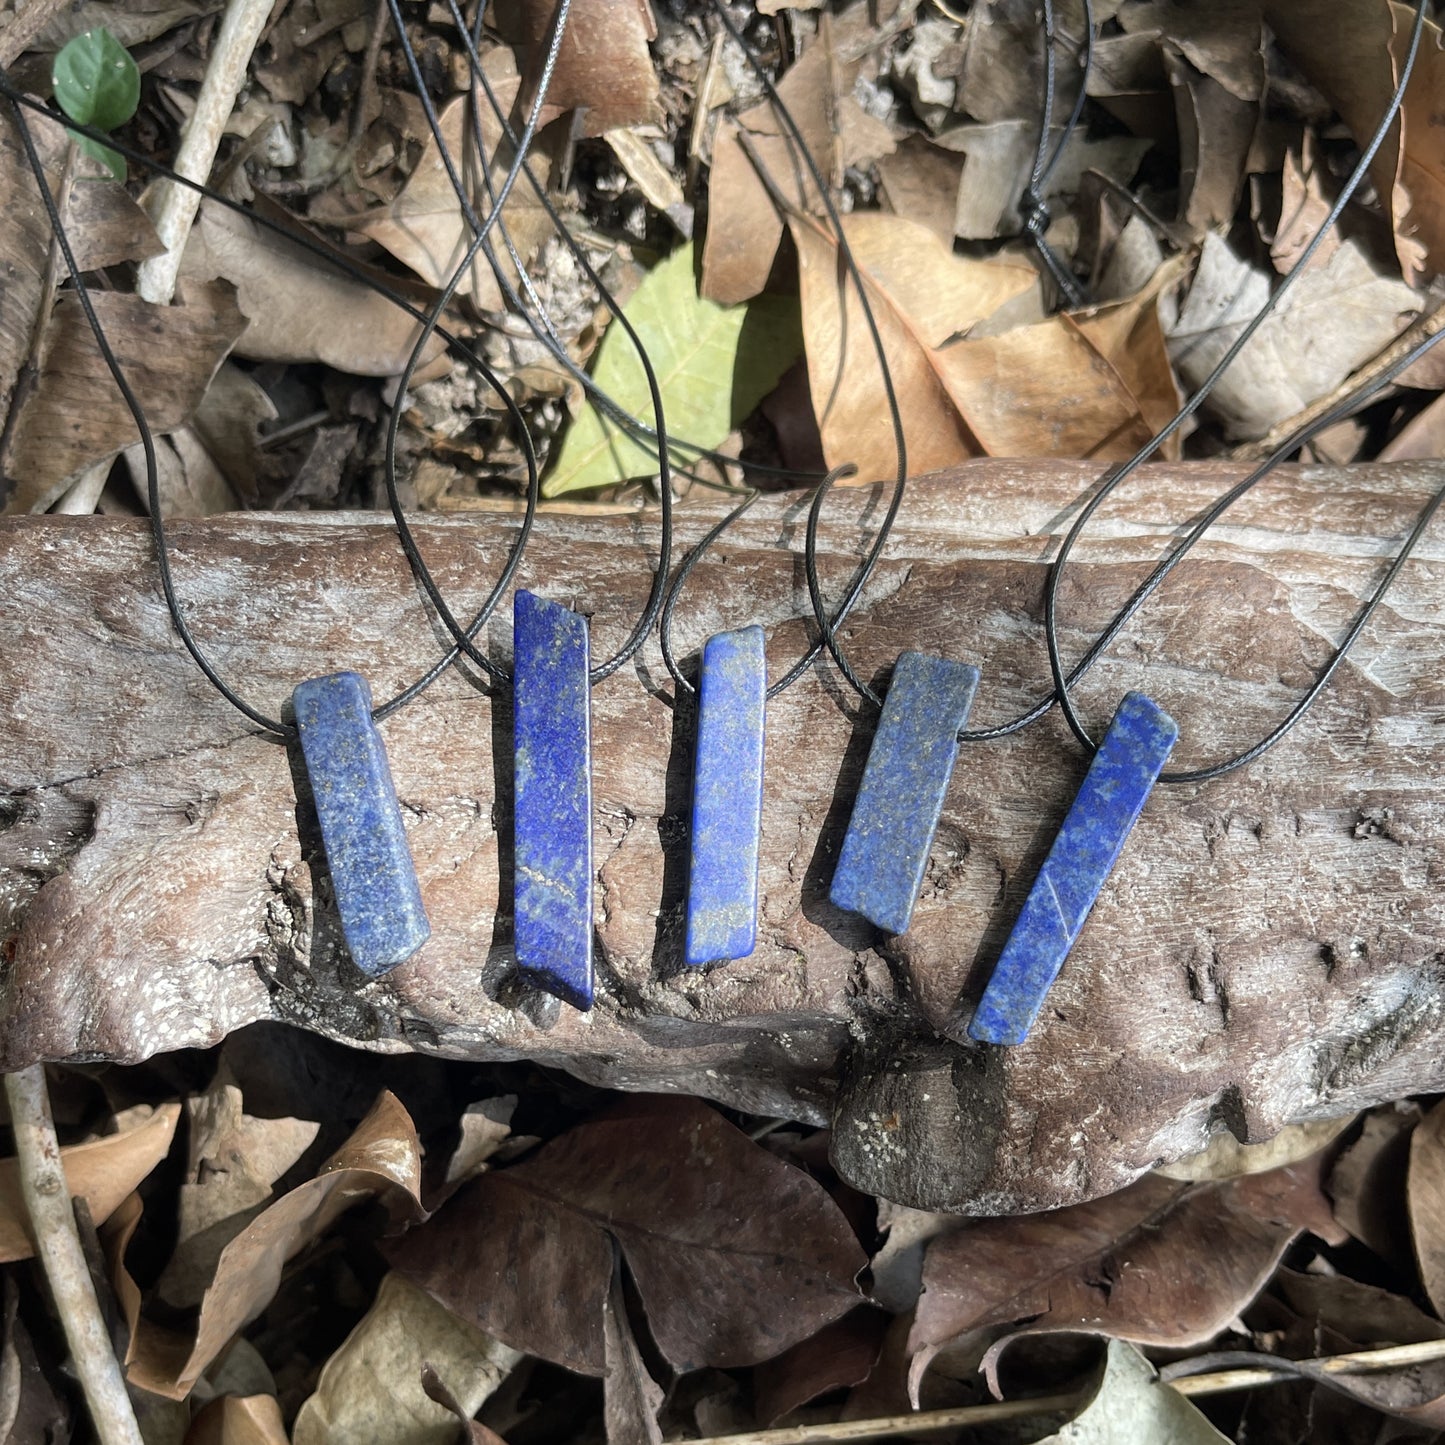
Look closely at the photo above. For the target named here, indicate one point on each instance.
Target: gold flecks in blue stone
(885, 851)
(1093, 833)
(377, 894)
(727, 798)
(552, 730)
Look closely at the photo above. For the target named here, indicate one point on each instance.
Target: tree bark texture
(1271, 946)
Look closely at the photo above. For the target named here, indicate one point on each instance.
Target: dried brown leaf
(1093, 385)
(920, 183)
(839, 1355)
(631, 1398)
(921, 294)
(1367, 1184)
(102, 1171)
(1334, 318)
(717, 1234)
(1421, 438)
(476, 1433)
(1216, 132)
(239, 1420)
(743, 226)
(998, 159)
(424, 226)
(1354, 55)
(1361, 1315)
(1224, 39)
(1303, 208)
(604, 68)
(382, 1158)
(298, 309)
(1426, 1193)
(1159, 1263)
(370, 1391)
(234, 1160)
(1001, 69)
(76, 415)
(104, 225)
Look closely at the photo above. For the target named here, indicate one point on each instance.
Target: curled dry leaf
(1159, 1263)
(839, 1355)
(631, 1398)
(234, 1160)
(717, 1233)
(473, 1430)
(1427, 1202)
(1131, 1403)
(921, 294)
(239, 1420)
(1367, 1184)
(103, 1172)
(298, 309)
(76, 415)
(370, 1391)
(1354, 55)
(382, 1159)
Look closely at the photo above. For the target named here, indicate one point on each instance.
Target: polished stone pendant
(1093, 833)
(727, 799)
(880, 868)
(377, 894)
(552, 737)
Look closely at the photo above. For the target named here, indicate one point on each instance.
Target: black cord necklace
(378, 896)
(885, 851)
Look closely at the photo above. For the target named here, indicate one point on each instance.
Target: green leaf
(714, 364)
(96, 81)
(113, 161)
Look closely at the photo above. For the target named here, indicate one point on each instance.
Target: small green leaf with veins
(714, 364)
(97, 83)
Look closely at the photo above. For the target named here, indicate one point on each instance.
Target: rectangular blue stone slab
(880, 869)
(1099, 820)
(727, 798)
(377, 894)
(552, 737)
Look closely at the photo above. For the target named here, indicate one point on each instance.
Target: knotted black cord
(1112, 481)
(1032, 206)
(1062, 683)
(1041, 171)
(157, 522)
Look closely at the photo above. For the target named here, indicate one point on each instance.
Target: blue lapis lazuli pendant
(552, 737)
(727, 799)
(377, 894)
(885, 851)
(1093, 833)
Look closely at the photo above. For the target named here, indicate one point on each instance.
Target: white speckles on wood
(1272, 948)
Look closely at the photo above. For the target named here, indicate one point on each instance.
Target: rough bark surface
(1271, 946)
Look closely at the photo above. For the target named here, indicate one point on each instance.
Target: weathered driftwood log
(1271, 947)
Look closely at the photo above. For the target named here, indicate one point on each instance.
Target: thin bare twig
(927, 1422)
(1411, 336)
(58, 1248)
(174, 207)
